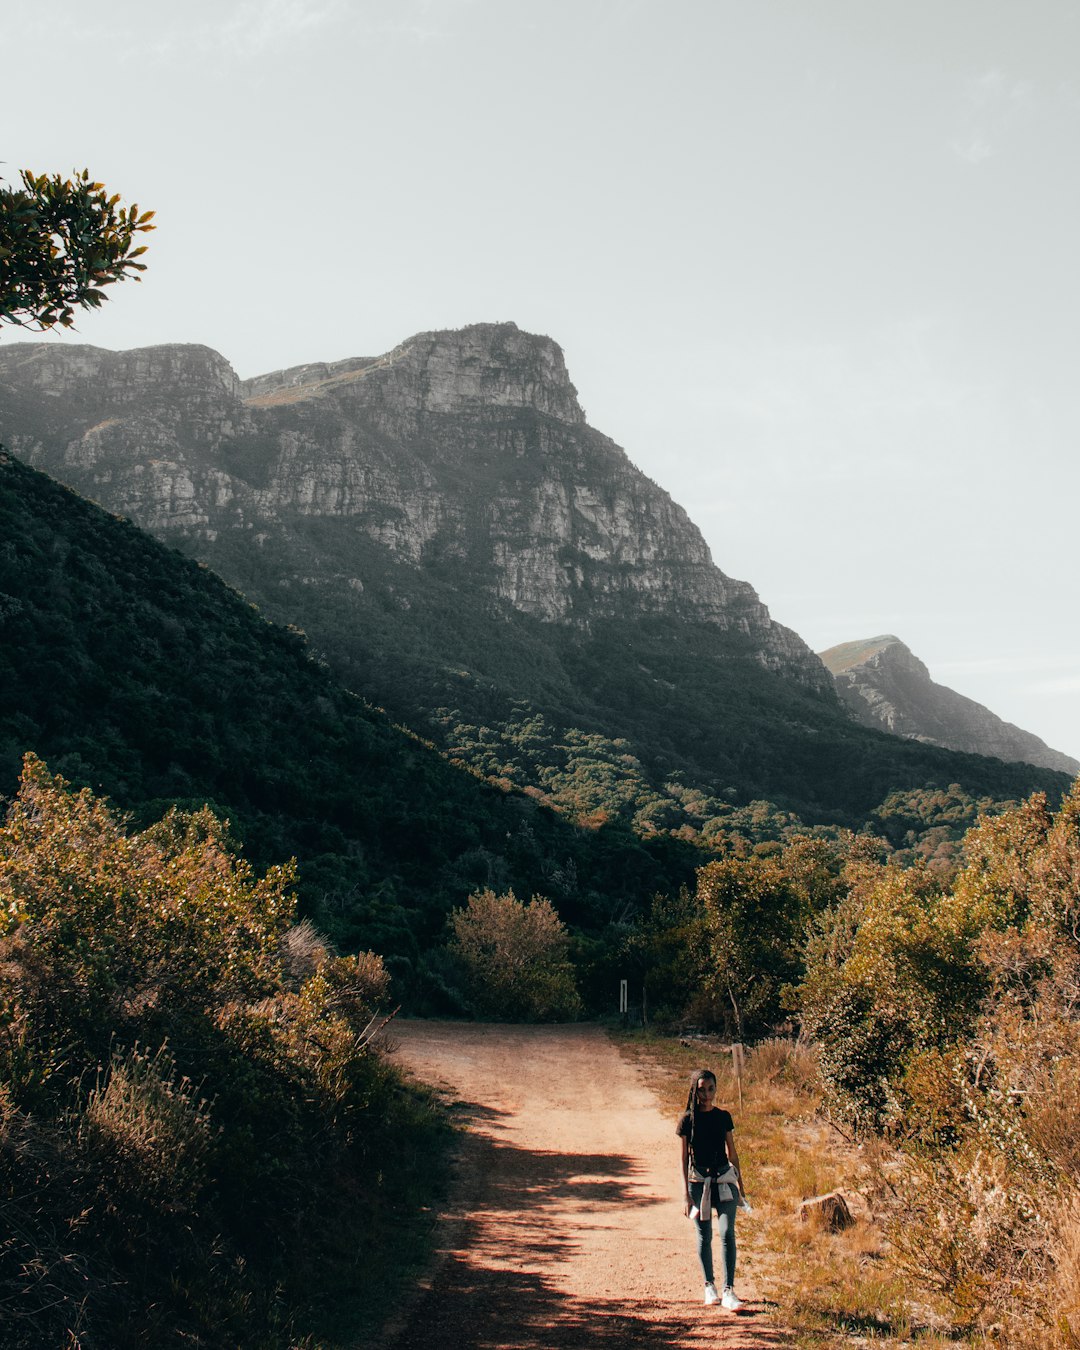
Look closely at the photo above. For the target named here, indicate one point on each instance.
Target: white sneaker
(729, 1301)
(711, 1296)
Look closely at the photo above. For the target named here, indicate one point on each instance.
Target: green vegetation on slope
(684, 706)
(136, 671)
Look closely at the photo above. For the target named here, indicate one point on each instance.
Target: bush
(756, 909)
(515, 958)
(891, 972)
(666, 954)
(197, 1144)
(950, 1017)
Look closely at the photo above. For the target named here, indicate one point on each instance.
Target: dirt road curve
(564, 1230)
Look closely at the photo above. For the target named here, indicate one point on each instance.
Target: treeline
(594, 780)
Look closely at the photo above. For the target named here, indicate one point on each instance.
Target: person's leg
(725, 1215)
(704, 1233)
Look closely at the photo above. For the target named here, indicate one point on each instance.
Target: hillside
(885, 685)
(136, 671)
(463, 549)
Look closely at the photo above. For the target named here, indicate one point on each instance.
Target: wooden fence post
(737, 1064)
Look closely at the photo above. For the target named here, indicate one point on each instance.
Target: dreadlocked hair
(691, 1100)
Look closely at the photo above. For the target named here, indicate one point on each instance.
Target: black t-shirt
(708, 1152)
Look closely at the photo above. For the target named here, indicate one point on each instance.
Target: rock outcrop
(887, 687)
(464, 447)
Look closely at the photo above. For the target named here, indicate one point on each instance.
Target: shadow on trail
(523, 1177)
(473, 1111)
(496, 1288)
(478, 1309)
(516, 1178)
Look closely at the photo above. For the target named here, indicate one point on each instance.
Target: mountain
(463, 549)
(885, 685)
(464, 449)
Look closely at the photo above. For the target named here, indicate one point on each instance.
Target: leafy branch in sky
(61, 241)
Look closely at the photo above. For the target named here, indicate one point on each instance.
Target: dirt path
(564, 1229)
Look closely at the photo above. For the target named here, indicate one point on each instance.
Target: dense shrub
(754, 930)
(666, 954)
(196, 1142)
(890, 973)
(950, 1018)
(514, 958)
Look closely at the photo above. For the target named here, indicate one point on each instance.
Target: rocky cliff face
(464, 447)
(886, 686)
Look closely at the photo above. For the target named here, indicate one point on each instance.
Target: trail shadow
(475, 1111)
(476, 1308)
(498, 1289)
(507, 1187)
(516, 1178)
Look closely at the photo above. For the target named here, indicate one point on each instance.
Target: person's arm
(733, 1159)
(684, 1176)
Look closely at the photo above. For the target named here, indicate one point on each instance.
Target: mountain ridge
(464, 550)
(603, 544)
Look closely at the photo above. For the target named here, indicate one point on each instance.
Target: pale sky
(813, 262)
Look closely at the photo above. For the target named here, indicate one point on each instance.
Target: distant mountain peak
(453, 370)
(847, 654)
(885, 685)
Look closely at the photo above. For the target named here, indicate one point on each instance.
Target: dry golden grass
(1066, 1290)
(832, 1291)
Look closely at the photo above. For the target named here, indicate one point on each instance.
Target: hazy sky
(813, 264)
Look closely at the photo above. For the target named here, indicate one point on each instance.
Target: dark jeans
(725, 1217)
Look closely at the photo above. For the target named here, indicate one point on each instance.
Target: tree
(755, 919)
(667, 951)
(61, 241)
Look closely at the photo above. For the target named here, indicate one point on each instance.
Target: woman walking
(711, 1179)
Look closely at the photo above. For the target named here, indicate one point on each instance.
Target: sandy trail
(563, 1229)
